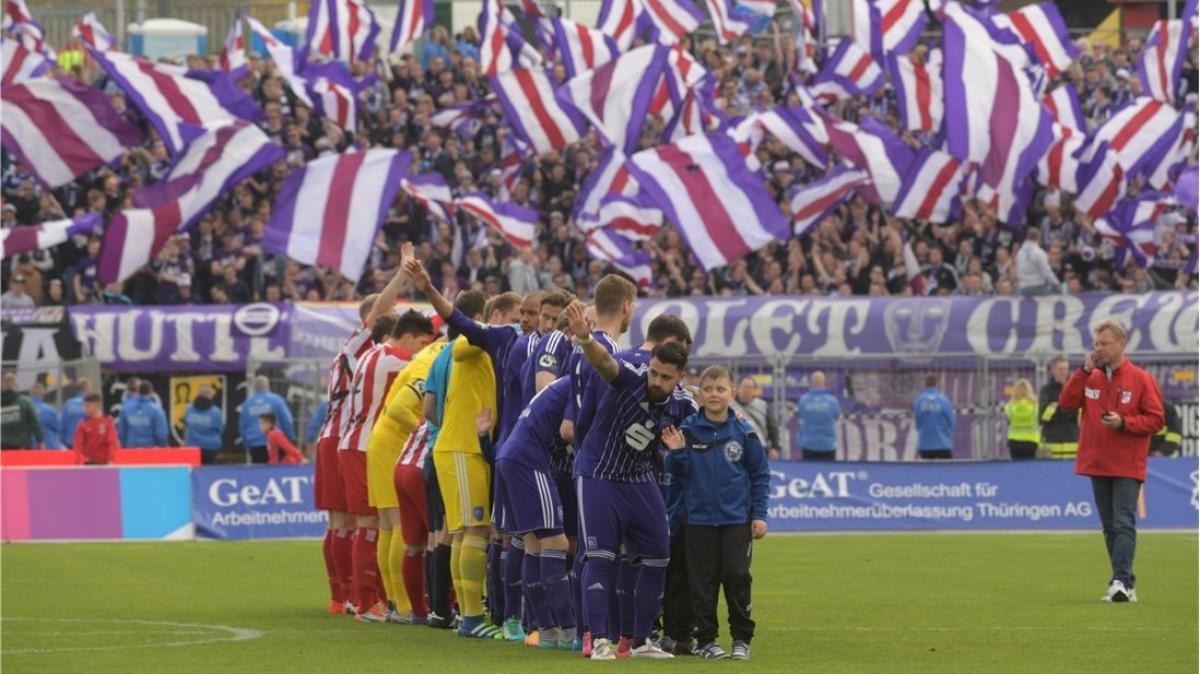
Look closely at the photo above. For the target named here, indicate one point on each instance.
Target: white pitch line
(996, 628)
(227, 634)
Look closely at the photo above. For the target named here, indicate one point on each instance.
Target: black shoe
(684, 648)
(438, 622)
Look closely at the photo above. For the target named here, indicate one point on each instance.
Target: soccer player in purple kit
(619, 499)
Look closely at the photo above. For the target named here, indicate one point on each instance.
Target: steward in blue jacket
(142, 422)
(819, 411)
(935, 419)
(263, 402)
(204, 427)
(51, 431)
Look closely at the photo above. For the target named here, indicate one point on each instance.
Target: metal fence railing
(60, 378)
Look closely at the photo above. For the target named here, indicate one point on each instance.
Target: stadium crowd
(859, 250)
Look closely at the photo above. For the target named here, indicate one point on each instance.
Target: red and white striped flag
(15, 12)
(811, 202)
(582, 48)
(91, 32)
(1101, 181)
(412, 20)
(133, 238)
(494, 55)
(342, 29)
(1140, 133)
(61, 129)
(1060, 165)
(536, 116)
(328, 212)
(628, 218)
(517, 224)
(618, 19)
(1042, 28)
(849, 71)
(931, 187)
(1162, 60)
(18, 64)
(703, 186)
(919, 92)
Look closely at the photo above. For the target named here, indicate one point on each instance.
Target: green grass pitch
(856, 603)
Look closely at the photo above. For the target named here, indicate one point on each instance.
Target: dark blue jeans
(1116, 503)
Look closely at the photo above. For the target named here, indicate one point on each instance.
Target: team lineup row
(598, 502)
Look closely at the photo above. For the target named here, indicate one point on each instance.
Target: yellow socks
(455, 575)
(472, 571)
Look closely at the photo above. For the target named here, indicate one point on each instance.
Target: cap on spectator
(1122, 74)
(781, 165)
(184, 280)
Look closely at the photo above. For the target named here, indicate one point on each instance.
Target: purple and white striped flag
(341, 29)
(703, 186)
(535, 114)
(582, 48)
(876, 150)
(628, 217)
(29, 238)
(618, 19)
(811, 202)
(517, 224)
(616, 97)
(431, 191)
(1042, 28)
(1099, 179)
(729, 28)
(61, 129)
(673, 19)
(1162, 60)
(465, 119)
(610, 246)
(18, 64)
(178, 102)
(801, 131)
(328, 212)
(1059, 167)
(1137, 220)
(413, 18)
(232, 58)
(210, 167)
(919, 90)
(1063, 103)
(884, 27)
(1141, 133)
(91, 32)
(931, 187)
(334, 91)
(133, 238)
(849, 71)
(610, 177)
(283, 55)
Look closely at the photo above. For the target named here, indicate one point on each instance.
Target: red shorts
(328, 490)
(414, 509)
(354, 478)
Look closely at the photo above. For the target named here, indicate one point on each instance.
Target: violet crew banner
(1001, 495)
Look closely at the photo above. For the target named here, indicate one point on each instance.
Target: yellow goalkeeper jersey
(403, 405)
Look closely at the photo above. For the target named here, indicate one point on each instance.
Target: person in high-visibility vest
(1021, 410)
(1166, 442)
(1060, 428)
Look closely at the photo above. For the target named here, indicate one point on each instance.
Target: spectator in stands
(751, 406)
(263, 401)
(1034, 275)
(935, 420)
(95, 441)
(16, 297)
(1021, 411)
(819, 411)
(73, 412)
(204, 426)
(22, 427)
(142, 422)
(47, 415)
(1060, 428)
(279, 448)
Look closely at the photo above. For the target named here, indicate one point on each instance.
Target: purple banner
(859, 326)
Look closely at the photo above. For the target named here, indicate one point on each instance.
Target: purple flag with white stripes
(616, 97)
(29, 238)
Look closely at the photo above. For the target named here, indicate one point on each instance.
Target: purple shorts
(570, 507)
(528, 499)
(629, 513)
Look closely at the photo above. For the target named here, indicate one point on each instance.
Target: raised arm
(602, 361)
(423, 283)
(387, 297)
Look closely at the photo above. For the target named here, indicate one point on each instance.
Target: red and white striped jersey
(416, 448)
(341, 372)
(373, 377)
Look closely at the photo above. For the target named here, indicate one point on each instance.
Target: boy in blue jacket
(722, 466)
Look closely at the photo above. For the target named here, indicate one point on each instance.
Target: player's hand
(483, 422)
(673, 438)
(407, 252)
(419, 275)
(758, 529)
(1112, 421)
(575, 320)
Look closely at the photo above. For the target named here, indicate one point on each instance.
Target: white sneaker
(1132, 596)
(1116, 592)
(652, 651)
(602, 649)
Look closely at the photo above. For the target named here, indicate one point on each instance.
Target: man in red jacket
(96, 440)
(1122, 409)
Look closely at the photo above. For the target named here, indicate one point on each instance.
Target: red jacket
(96, 440)
(1133, 394)
(277, 442)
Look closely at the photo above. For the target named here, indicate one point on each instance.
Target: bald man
(819, 411)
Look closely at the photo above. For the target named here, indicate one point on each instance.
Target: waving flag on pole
(27, 239)
(91, 32)
(703, 186)
(1141, 133)
(582, 48)
(529, 104)
(629, 218)
(610, 177)
(283, 55)
(1063, 103)
(616, 97)
(463, 119)
(1059, 168)
(329, 211)
(729, 28)
(886, 26)
(233, 55)
(517, 224)
(133, 238)
(15, 12)
(61, 129)
(412, 20)
(18, 64)
(875, 150)
(1162, 60)
(500, 39)
(919, 90)
(673, 19)
(618, 19)
(800, 131)
(931, 187)
(1100, 181)
(341, 29)
(1163, 173)
(431, 191)
(334, 92)
(609, 246)
(849, 71)
(812, 202)
(210, 167)
(177, 102)
(1042, 28)
(1136, 220)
